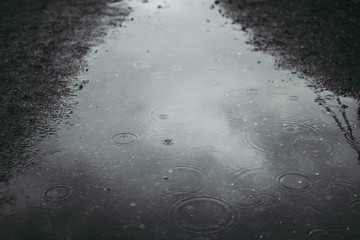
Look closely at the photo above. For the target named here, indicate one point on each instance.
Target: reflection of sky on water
(180, 117)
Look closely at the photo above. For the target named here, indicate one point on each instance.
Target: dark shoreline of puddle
(42, 46)
(319, 39)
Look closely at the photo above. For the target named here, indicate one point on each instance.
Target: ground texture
(316, 38)
(41, 44)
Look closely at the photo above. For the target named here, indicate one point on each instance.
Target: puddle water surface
(184, 132)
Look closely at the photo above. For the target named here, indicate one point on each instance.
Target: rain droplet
(294, 182)
(212, 215)
(168, 142)
(166, 179)
(57, 154)
(141, 65)
(163, 116)
(174, 114)
(243, 196)
(58, 193)
(294, 98)
(189, 209)
(125, 138)
(184, 180)
(319, 234)
(220, 222)
(290, 128)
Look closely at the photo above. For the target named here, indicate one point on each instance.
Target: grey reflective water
(183, 132)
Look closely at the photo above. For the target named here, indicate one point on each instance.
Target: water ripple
(314, 147)
(290, 107)
(173, 114)
(244, 96)
(126, 149)
(141, 65)
(203, 214)
(242, 196)
(257, 176)
(183, 180)
(333, 234)
(268, 137)
(125, 138)
(58, 193)
(267, 200)
(295, 182)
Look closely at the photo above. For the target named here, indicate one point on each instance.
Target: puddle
(203, 214)
(295, 182)
(58, 193)
(181, 121)
(125, 138)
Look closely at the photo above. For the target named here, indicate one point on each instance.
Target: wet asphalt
(179, 120)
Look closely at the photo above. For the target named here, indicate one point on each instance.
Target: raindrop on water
(212, 215)
(294, 182)
(243, 196)
(141, 65)
(290, 128)
(174, 114)
(58, 193)
(313, 147)
(323, 234)
(189, 209)
(183, 180)
(163, 116)
(125, 138)
(166, 179)
(168, 142)
(294, 98)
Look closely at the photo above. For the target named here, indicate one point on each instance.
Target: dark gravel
(41, 44)
(316, 38)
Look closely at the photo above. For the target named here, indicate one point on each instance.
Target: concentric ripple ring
(203, 214)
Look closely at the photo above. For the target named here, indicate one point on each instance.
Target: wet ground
(317, 39)
(179, 130)
(42, 44)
